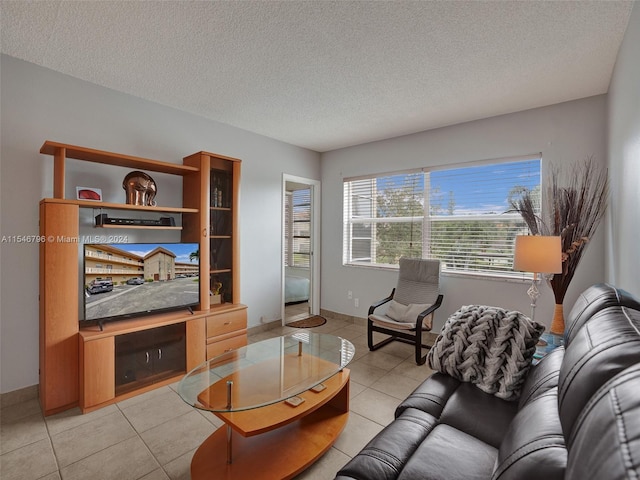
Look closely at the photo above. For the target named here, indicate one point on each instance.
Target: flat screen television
(123, 280)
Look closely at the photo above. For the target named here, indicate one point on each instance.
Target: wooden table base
(284, 451)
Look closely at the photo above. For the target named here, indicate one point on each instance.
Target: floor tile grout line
(138, 434)
(53, 448)
(19, 420)
(60, 469)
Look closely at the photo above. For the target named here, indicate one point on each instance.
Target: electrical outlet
(357, 302)
(349, 295)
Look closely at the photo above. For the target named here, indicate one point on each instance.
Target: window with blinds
(298, 228)
(459, 215)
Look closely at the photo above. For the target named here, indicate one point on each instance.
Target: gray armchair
(410, 306)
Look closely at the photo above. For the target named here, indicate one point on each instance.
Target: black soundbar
(104, 219)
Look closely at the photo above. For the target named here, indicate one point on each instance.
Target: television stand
(105, 380)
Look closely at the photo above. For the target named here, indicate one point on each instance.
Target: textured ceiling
(328, 74)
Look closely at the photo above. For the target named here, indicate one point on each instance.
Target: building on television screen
(107, 262)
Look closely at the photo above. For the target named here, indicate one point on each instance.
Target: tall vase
(554, 338)
(557, 324)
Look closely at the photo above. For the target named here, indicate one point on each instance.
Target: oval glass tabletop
(265, 372)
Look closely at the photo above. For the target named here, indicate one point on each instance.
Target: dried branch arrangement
(573, 212)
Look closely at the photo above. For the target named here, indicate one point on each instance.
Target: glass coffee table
(284, 402)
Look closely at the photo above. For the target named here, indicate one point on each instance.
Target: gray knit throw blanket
(487, 346)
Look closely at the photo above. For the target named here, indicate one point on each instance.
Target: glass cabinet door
(149, 356)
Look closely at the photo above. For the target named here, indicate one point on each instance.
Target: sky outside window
(475, 190)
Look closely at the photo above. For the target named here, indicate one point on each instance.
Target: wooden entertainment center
(78, 364)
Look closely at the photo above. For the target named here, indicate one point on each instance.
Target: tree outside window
(458, 215)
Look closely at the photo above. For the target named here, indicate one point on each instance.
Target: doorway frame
(314, 287)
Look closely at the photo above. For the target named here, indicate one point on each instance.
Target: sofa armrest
(384, 457)
(431, 395)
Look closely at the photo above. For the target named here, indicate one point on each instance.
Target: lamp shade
(538, 254)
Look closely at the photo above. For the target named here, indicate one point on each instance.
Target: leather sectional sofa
(578, 416)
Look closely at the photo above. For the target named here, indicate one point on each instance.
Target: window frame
(427, 219)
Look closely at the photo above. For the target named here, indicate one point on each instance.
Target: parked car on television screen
(99, 286)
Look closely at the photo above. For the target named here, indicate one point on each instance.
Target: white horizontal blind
(383, 218)
(458, 215)
(298, 229)
(288, 237)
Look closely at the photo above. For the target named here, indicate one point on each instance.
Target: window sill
(516, 277)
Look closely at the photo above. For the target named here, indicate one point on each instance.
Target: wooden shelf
(140, 227)
(116, 159)
(121, 327)
(255, 421)
(119, 206)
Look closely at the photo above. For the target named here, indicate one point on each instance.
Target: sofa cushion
(534, 446)
(487, 346)
(591, 301)
(448, 454)
(605, 442)
(542, 377)
(462, 406)
(480, 414)
(607, 343)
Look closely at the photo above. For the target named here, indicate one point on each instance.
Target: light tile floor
(296, 311)
(153, 436)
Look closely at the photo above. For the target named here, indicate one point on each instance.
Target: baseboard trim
(265, 327)
(345, 318)
(19, 396)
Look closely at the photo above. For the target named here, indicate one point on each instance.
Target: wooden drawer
(227, 322)
(218, 348)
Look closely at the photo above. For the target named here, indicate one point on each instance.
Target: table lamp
(537, 254)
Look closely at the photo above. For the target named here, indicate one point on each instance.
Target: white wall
(563, 133)
(623, 226)
(39, 104)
